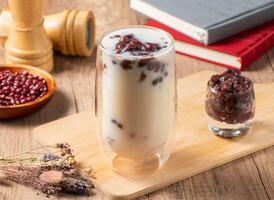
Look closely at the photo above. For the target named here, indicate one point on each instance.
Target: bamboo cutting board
(196, 149)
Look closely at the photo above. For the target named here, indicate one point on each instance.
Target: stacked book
(231, 33)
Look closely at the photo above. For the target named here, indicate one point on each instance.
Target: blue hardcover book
(207, 21)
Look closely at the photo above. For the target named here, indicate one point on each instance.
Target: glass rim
(170, 47)
(251, 88)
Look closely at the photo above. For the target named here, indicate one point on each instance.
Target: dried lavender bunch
(51, 173)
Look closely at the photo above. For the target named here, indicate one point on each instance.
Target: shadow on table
(58, 107)
(68, 63)
(259, 65)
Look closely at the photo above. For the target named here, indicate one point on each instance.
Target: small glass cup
(229, 114)
(135, 106)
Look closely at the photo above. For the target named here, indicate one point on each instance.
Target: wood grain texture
(248, 178)
(196, 149)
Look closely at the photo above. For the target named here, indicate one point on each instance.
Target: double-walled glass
(136, 107)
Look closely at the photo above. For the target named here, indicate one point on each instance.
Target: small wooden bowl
(21, 110)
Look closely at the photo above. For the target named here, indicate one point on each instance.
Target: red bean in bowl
(20, 87)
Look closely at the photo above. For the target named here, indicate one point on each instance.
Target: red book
(236, 52)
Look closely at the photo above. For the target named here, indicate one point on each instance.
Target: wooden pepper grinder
(72, 32)
(28, 42)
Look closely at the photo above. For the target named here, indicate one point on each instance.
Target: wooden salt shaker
(28, 42)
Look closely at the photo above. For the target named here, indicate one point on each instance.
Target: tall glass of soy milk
(136, 98)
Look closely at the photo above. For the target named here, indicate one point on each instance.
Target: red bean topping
(144, 62)
(131, 44)
(157, 80)
(20, 87)
(132, 135)
(142, 77)
(230, 82)
(126, 64)
(160, 79)
(163, 67)
(119, 125)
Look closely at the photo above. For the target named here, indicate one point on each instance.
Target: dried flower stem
(51, 173)
(31, 151)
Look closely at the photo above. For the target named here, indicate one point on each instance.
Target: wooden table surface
(251, 177)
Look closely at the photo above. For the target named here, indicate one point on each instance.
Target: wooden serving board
(196, 149)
